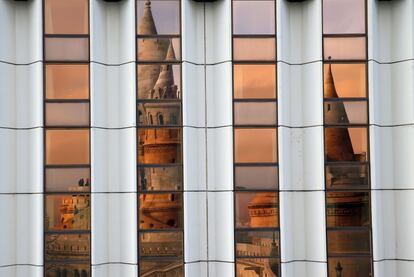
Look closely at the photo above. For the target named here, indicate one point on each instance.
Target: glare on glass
(257, 209)
(161, 244)
(257, 81)
(256, 177)
(349, 79)
(343, 17)
(253, 17)
(254, 49)
(346, 144)
(67, 81)
(165, 18)
(67, 212)
(258, 145)
(66, 17)
(67, 114)
(66, 49)
(255, 113)
(68, 179)
(344, 48)
(65, 147)
(160, 211)
(349, 241)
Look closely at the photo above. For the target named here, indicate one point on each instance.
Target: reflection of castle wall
(67, 247)
(347, 209)
(256, 268)
(160, 210)
(75, 213)
(264, 210)
(79, 270)
(172, 269)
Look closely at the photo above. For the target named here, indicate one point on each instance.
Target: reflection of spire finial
(148, 3)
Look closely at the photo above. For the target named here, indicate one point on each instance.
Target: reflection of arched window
(160, 119)
(140, 117)
(77, 274)
(151, 121)
(84, 273)
(173, 118)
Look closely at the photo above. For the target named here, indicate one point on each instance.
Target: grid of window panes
(256, 198)
(348, 212)
(159, 138)
(67, 182)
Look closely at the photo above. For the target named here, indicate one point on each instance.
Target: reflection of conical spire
(329, 85)
(146, 24)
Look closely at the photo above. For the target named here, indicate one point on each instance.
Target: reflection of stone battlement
(264, 210)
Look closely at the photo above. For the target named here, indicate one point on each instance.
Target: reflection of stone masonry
(158, 146)
(74, 215)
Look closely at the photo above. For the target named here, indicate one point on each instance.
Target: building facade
(233, 138)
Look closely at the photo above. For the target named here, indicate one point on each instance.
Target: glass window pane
(67, 114)
(159, 113)
(68, 81)
(257, 244)
(251, 49)
(249, 267)
(253, 17)
(64, 247)
(67, 212)
(349, 242)
(347, 48)
(347, 176)
(346, 144)
(64, 269)
(66, 17)
(343, 17)
(67, 147)
(255, 81)
(256, 177)
(66, 49)
(346, 112)
(158, 17)
(160, 178)
(159, 49)
(347, 209)
(255, 113)
(68, 179)
(159, 146)
(255, 145)
(160, 211)
(257, 209)
(351, 266)
(345, 80)
(161, 268)
(159, 81)
(161, 244)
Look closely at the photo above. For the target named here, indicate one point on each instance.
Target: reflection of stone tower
(263, 210)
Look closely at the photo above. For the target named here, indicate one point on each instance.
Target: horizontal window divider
(351, 255)
(67, 166)
(254, 62)
(159, 191)
(345, 99)
(158, 36)
(348, 125)
(344, 35)
(160, 165)
(303, 261)
(259, 229)
(67, 232)
(255, 190)
(65, 62)
(348, 190)
(86, 193)
(258, 257)
(161, 258)
(67, 261)
(257, 164)
(166, 230)
(67, 101)
(301, 190)
(256, 126)
(159, 126)
(108, 263)
(149, 62)
(254, 100)
(67, 127)
(253, 36)
(350, 228)
(66, 35)
(347, 163)
(344, 61)
(143, 101)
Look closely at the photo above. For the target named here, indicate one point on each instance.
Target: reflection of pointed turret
(146, 24)
(337, 140)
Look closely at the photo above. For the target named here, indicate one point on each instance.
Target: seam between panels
(392, 259)
(12, 265)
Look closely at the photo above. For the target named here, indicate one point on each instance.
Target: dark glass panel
(159, 113)
(160, 178)
(253, 17)
(346, 112)
(67, 146)
(67, 212)
(347, 176)
(66, 49)
(255, 113)
(67, 81)
(347, 209)
(159, 49)
(159, 81)
(254, 49)
(344, 48)
(60, 269)
(350, 266)
(67, 114)
(265, 267)
(257, 209)
(161, 244)
(345, 80)
(67, 247)
(159, 146)
(349, 242)
(255, 145)
(346, 144)
(66, 17)
(254, 81)
(160, 211)
(68, 179)
(165, 17)
(256, 177)
(167, 268)
(257, 244)
(343, 17)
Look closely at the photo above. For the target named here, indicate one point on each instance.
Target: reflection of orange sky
(67, 146)
(344, 48)
(243, 200)
(68, 81)
(254, 81)
(359, 139)
(256, 145)
(66, 17)
(349, 79)
(249, 49)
